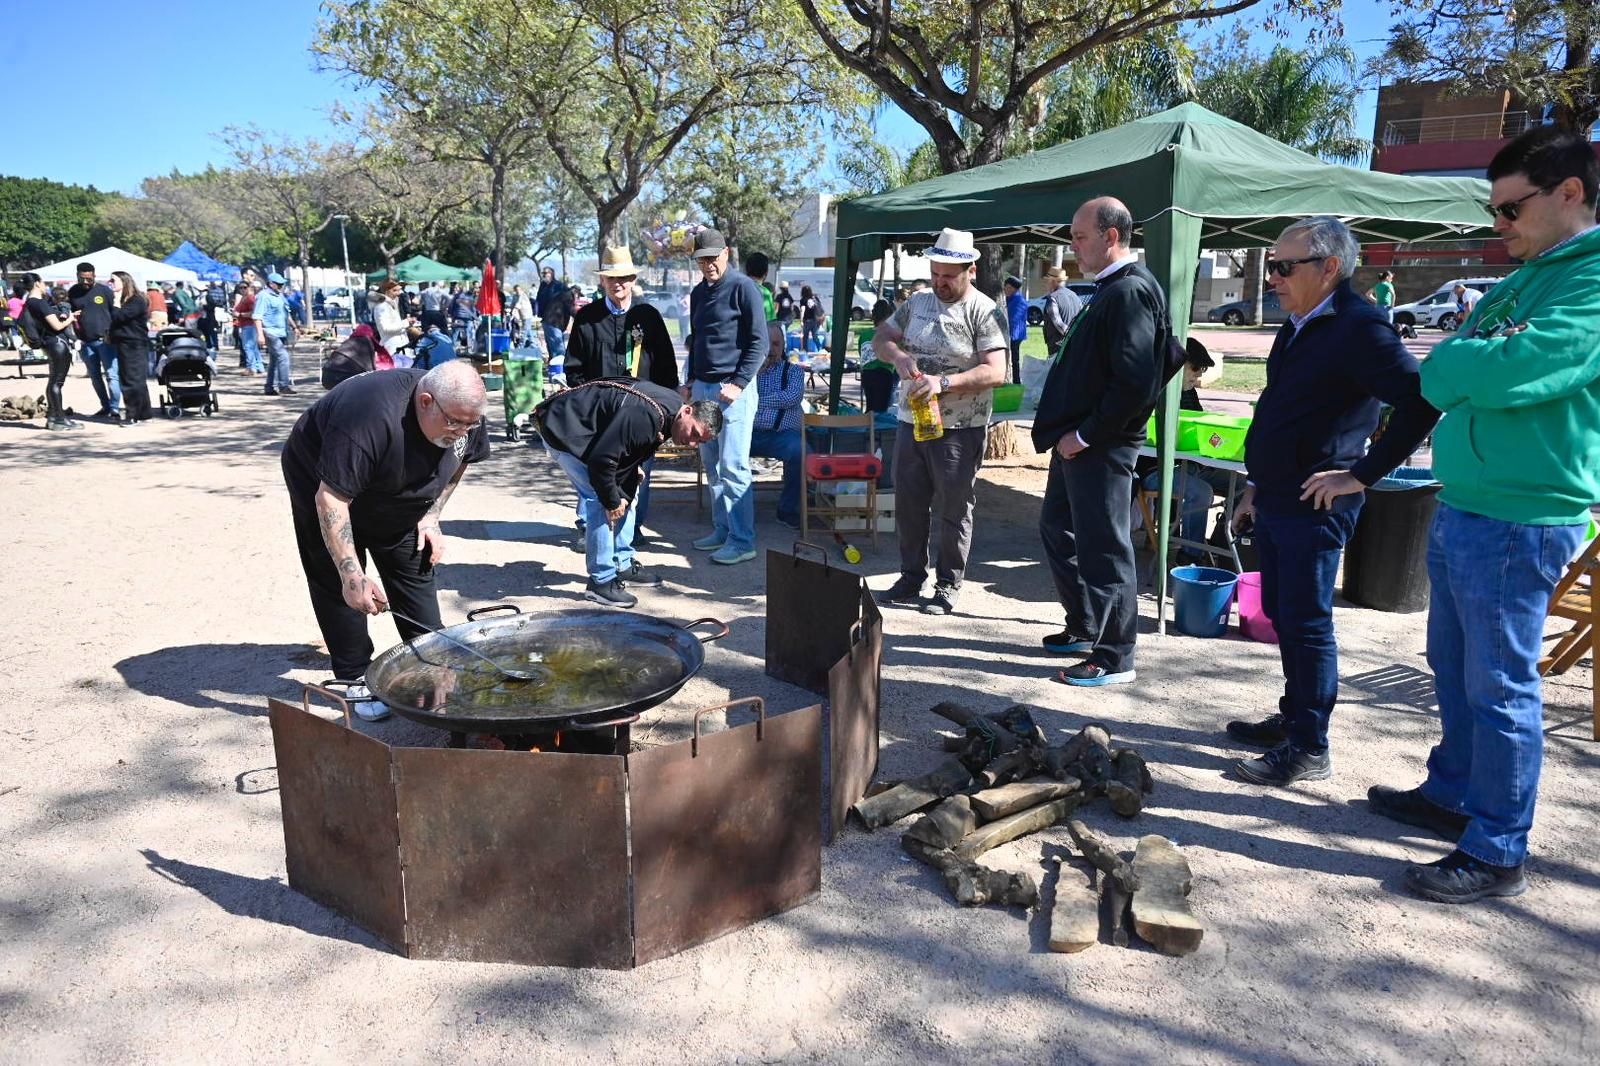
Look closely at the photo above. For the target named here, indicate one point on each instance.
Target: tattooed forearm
(333, 516)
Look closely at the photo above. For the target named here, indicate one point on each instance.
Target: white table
(1235, 470)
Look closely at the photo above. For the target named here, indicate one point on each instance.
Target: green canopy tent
(421, 268)
(1191, 178)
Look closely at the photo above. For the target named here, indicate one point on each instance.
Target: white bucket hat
(953, 246)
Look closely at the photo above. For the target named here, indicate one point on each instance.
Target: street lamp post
(345, 244)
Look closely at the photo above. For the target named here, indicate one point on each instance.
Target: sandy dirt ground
(154, 603)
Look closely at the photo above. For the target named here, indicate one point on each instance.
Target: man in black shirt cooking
(369, 467)
(601, 434)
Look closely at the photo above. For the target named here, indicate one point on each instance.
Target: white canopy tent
(106, 260)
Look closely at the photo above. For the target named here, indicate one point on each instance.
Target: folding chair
(831, 467)
(1574, 599)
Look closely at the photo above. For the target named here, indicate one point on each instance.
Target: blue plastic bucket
(1201, 599)
(499, 341)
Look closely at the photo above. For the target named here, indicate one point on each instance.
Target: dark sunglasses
(1512, 208)
(1284, 267)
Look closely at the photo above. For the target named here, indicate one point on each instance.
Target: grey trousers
(935, 486)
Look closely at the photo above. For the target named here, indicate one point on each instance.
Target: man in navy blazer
(1307, 463)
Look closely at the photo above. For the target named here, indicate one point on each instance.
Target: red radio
(849, 466)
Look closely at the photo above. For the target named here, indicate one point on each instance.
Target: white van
(1439, 308)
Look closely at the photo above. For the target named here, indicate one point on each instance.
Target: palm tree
(1305, 98)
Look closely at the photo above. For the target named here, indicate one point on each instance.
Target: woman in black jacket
(130, 336)
(50, 322)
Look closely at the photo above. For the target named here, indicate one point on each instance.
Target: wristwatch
(944, 383)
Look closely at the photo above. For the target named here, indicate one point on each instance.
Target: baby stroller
(184, 373)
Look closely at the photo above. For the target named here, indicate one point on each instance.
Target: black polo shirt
(363, 439)
(94, 301)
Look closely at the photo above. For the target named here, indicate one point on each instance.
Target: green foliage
(1305, 98)
(1539, 50)
(748, 172)
(42, 221)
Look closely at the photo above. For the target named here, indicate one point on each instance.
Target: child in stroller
(184, 373)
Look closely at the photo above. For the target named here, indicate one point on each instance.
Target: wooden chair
(1574, 599)
(832, 467)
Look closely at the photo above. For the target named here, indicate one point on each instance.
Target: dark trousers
(935, 486)
(407, 582)
(59, 351)
(131, 362)
(1016, 360)
(1299, 564)
(1084, 524)
(208, 329)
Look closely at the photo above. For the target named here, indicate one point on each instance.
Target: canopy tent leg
(1171, 249)
(844, 290)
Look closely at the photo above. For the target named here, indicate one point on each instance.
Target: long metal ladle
(515, 675)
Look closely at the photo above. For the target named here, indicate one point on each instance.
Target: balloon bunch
(671, 239)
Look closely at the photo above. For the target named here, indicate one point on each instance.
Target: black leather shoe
(902, 591)
(1267, 733)
(1283, 765)
(1460, 878)
(1413, 808)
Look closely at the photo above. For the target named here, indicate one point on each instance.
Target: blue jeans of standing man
(1491, 586)
(605, 550)
(785, 445)
(726, 458)
(1299, 563)
(101, 360)
(278, 377)
(249, 350)
(555, 341)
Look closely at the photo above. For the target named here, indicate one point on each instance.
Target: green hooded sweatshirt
(1520, 436)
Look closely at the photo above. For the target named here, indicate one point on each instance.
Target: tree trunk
(605, 222)
(303, 240)
(497, 212)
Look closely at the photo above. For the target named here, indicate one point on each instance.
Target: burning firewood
(1161, 913)
(971, 883)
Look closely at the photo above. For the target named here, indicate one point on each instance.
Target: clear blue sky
(205, 65)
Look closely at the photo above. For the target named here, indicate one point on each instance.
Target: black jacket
(1107, 380)
(130, 325)
(94, 301)
(1321, 404)
(598, 347)
(611, 428)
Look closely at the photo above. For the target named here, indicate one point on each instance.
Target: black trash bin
(1386, 561)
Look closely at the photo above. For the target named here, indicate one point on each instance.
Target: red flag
(488, 292)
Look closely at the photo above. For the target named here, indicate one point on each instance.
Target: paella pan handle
(339, 702)
(822, 553)
(722, 629)
(761, 719)
(473, 615)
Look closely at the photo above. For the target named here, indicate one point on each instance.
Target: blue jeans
(1198, 484)
(278, 363)
(1492, 582)
(555, 341)
(641, 505)
(101, 360)
(785, 445)
(605, 550)
(1299, 563)
(726, 458)
(249, 350)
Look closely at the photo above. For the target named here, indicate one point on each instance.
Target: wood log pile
(1002, 782)
(21, 408)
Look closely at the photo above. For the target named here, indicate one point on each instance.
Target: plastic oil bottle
(926, 422)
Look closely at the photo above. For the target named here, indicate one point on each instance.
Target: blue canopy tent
(189, 257)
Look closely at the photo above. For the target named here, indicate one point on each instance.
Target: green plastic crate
(1007, 398)
(1188, 437)
(1221, 436)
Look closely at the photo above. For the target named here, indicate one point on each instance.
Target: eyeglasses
(1284, 267)
(1512, 208)
(612, 279)
(452, 425)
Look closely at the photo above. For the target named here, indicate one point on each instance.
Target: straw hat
(953, 246)
(617, 263)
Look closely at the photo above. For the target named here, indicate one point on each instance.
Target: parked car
(1439, 308)
(1084, 289)
(1237, 313)
(336, 304)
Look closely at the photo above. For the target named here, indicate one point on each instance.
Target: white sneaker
(362, 705)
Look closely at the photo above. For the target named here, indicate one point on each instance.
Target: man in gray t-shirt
(949, 343)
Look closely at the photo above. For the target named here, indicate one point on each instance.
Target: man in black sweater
(1091, 418)
(1331, 364)
(92, 301)
(728, 344)
(601, 434)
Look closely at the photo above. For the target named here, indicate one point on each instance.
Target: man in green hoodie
(1518, 453)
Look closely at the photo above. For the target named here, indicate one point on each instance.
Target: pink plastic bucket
(1253, 621)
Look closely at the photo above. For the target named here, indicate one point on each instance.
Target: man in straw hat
(620, 337)
(948, 343)
(1061, 306)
